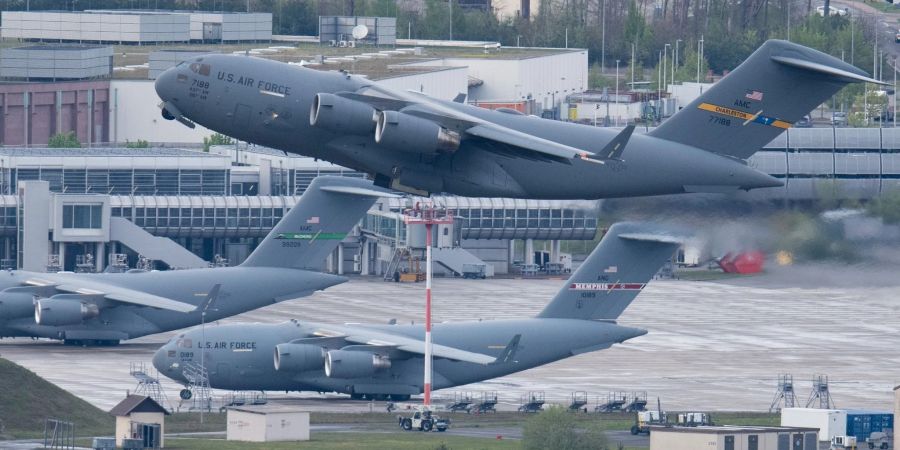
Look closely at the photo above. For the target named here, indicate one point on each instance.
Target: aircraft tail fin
(614, 274)
(328, 210)
(773, 88)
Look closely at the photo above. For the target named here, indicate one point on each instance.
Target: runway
(712, 345)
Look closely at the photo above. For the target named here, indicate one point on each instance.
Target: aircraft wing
(375, 338)
(86, 286)
(421, 105)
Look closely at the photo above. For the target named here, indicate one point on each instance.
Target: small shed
(139, 418)
(733, 438)
(267, 423)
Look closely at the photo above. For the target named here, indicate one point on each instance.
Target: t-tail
(328, 210)
(627, 258)
(773, 88)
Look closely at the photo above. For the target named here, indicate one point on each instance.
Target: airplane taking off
(414, 143)
(107, 308)
(386, 361)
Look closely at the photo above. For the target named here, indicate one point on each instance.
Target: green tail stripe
(308, 236)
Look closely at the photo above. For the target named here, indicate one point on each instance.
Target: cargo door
(241, 119)
(212, 32)
(223, 375)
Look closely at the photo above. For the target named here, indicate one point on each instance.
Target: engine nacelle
(298, 357)
(15, 305)
(352, 364)
(49, 311)
(413, 134)
(341, 115)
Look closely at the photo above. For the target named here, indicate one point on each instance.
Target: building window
(83, 216)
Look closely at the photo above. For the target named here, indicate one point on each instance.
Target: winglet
(460, 98)
(616, 147)
(509, 352)
(211, 297)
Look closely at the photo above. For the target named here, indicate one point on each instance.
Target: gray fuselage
(241, 356)
(242, 289)
(268, 103)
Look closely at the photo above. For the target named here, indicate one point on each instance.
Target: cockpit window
(179, 64)
(202, 69)
(181, 78)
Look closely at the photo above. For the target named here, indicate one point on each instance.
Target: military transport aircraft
(386, 361)
(411, 142)
(103, 309)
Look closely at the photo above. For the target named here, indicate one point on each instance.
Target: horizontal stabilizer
(351, 190)
(845, 75)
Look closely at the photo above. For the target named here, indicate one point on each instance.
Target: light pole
(675, 61)
(699, 56)
(617, 92)
(665, 59)
(602, 35)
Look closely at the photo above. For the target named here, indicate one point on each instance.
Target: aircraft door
(241, 115)
(223, 374)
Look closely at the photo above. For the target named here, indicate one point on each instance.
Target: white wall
(547, 79)
(624, 111)
(443, 84)
(134, 114)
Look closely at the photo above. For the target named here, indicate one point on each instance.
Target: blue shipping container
(861, 424)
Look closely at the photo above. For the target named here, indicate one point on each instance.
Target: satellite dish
(360, 32)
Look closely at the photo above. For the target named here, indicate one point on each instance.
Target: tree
(64, 140)
(556, 427)
(140, 143)
(216, 139)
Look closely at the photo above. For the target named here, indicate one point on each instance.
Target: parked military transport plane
(386, 361)
(415, 143)
(107, 308)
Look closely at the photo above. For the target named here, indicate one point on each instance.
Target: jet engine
(341, 115)
(352, 364)
(50, 311)
(15, 305)
(298, 357)
(413, 134)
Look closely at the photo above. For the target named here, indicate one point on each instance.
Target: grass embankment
(27, 400)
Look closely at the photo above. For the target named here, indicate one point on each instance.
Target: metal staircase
(198, 385)
(148, 385)
(153, 247)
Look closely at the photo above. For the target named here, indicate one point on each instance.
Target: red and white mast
(428, 216)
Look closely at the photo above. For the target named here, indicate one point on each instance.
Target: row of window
(82, 216)
(123, 181)
(201, 217)
(830, 150)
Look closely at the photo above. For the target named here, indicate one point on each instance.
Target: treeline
(731, 29)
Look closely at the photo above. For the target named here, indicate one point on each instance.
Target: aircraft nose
(165, 84)
(164, 358)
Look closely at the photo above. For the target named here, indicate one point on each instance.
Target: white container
(830, 422)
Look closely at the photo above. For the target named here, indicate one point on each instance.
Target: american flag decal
(313, 220)
(607, 286)
(754, 95)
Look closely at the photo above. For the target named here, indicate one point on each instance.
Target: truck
(644, 419)
(423, 420)
(474, 271)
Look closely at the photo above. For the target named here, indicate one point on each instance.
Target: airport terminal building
(183, 208)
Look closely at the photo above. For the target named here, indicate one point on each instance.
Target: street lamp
(617, 92)
(665, 58)
(675, 62)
